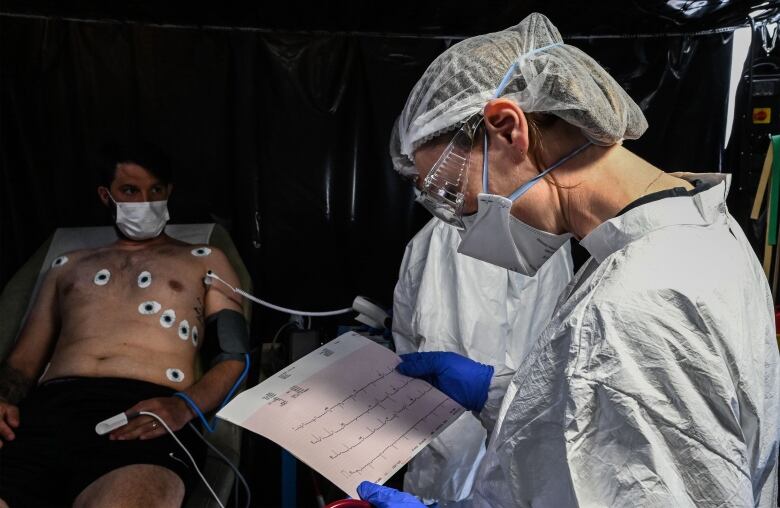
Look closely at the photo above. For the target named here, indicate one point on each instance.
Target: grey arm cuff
(227, 356)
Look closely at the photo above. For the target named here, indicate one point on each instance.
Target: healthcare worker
(445, 301)
(656, 382)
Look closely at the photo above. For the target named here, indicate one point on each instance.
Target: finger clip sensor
(110, 424)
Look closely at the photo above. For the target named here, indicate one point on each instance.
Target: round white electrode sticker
(184, 330)
(168, 318)
(150, 307)
(201, 251)
(144, 280)
(59, 261)
(102, 277)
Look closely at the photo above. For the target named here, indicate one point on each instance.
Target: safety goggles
(444, 188)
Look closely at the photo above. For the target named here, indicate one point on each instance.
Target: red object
(777, 319)
(349, 503)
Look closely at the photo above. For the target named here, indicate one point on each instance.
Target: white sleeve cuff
(498, 386)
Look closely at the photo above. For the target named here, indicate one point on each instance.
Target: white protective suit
(656, 382)
(445, 301)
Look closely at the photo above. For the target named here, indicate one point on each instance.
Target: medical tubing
(279, 331)
(197, 410)
(238, 381)
(195, 465)
(276, 307)
(230, 464)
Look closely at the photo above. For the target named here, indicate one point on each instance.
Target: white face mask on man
(495, 236)
(141, 221)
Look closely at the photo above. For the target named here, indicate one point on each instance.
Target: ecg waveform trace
(384, 422)
(348, 414)
(377, 403)
(392, 445)
(327, 409)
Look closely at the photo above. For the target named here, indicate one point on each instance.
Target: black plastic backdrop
(280, 137)
(414, 17)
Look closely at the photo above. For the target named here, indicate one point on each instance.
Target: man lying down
(120, 326)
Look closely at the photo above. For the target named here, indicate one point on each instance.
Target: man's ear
(103, 195)
(507, 126)
(170, 190)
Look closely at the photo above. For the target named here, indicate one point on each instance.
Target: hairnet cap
(548, 76)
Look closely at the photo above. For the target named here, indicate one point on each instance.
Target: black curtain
(282, 138)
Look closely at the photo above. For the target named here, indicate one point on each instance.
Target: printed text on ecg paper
(346, 412)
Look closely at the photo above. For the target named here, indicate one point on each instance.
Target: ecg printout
(346, 412)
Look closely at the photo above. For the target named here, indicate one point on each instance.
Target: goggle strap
(521, 59)
(505, 80)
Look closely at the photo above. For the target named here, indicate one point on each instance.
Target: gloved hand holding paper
(346, 412)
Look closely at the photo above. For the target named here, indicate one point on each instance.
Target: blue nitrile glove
(385, 497)
(463, 380)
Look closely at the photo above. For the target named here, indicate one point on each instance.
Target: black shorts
(57, 454)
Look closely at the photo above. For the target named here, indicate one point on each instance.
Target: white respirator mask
(141, 221)
(495, 236)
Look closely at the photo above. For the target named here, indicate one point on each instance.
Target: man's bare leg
(140, 485)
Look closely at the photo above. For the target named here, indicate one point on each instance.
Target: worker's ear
(507, 128)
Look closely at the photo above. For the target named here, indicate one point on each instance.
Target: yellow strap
(767, 257)
(762, 183)
(775, 275)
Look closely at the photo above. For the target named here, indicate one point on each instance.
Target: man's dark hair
(144, 154)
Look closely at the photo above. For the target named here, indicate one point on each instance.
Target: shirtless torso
(128, 310)
(131, 310)
(123, 323)
(137, 314)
